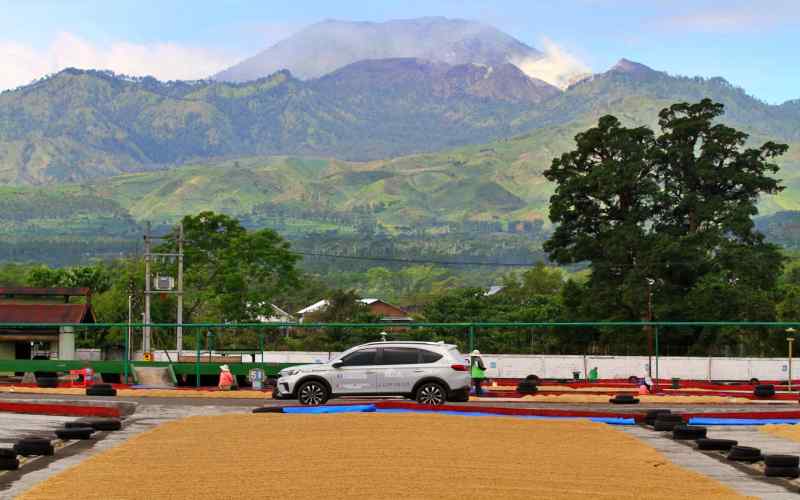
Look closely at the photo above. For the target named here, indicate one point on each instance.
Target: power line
(414, 261)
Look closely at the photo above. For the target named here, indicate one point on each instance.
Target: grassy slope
(501, 180)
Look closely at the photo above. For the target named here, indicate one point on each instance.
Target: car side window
(361, 357)
(429, 357)
(400, 356)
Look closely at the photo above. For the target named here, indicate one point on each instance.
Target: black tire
(312, 393)
(7, 453)
(782, 461)
(764, 391)
(534, 378)
(715, 444)
(621, 397)
(651, 415)
(7, 463)
(775, 471)
(616, 401)
(666, 424)
(754, 381)
(268, 409)
(430, 393)
(527, 387)
(462, 397)
(684, 432)
(34, 446)
(98, 424)
(47, 382)
(74, 433)
(744, 454)
(93, 390)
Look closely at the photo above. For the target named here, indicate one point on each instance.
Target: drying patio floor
(378, 456)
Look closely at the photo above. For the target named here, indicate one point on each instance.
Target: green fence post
(125, 365)
(261, 351)
(197, 358)
(656, 334)
(471, 337)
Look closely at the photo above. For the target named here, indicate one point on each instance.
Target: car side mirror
(337, 364)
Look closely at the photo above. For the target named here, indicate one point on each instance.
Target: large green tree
(667, 217)
(603, 207)
(232, 274)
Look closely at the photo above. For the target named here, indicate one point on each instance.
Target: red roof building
(49, 308)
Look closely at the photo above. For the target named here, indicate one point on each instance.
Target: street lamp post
(790, 331)
(650, 283)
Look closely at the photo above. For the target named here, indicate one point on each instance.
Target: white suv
(430, 372)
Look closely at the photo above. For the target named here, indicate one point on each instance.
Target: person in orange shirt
(225, 378)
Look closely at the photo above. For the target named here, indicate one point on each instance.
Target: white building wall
(551, 366)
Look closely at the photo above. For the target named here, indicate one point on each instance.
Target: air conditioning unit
(164, 283)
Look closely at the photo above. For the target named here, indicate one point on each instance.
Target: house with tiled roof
(43, 318)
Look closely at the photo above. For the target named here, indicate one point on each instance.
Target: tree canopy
(667, 214)
(231, 274)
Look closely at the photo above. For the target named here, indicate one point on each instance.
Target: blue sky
(753, 44)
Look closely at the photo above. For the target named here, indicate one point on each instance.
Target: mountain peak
(632, 68)
(331, 44)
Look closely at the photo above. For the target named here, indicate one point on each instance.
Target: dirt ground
(144, 393)
(785, 431)
(378, 456)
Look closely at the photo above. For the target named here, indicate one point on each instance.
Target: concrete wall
(520, 365)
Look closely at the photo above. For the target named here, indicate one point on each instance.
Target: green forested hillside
(82, 125)
(488, 199)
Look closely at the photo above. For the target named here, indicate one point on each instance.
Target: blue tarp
(741, 421)
(604, 420)
(329, 409)
(372, 408)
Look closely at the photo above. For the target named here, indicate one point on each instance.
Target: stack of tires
(744, 454)
(782, 466)
(651, 416)
(764, 391)
(624, 399)
(69, 433)
(715, 444)
(8, 459)
(686, 432)
(528, 385)
(667, 422)
(101, 390)
(33, 446)
(97, 423)
(48, 380)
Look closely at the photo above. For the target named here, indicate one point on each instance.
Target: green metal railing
(468, 332)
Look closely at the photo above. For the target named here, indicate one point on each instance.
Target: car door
(357, 373)
(398, 369)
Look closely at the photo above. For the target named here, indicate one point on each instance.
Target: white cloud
(166, 61)
(558, 67)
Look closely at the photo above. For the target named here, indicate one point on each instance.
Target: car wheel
(431, 393)
(312, 393)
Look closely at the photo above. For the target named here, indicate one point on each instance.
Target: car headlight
(290, 372)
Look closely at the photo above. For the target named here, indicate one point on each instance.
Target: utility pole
(174, 287)
(179, 339)
(650, 283)
(146, 330)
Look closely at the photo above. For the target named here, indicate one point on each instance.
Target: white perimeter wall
(520, 365)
